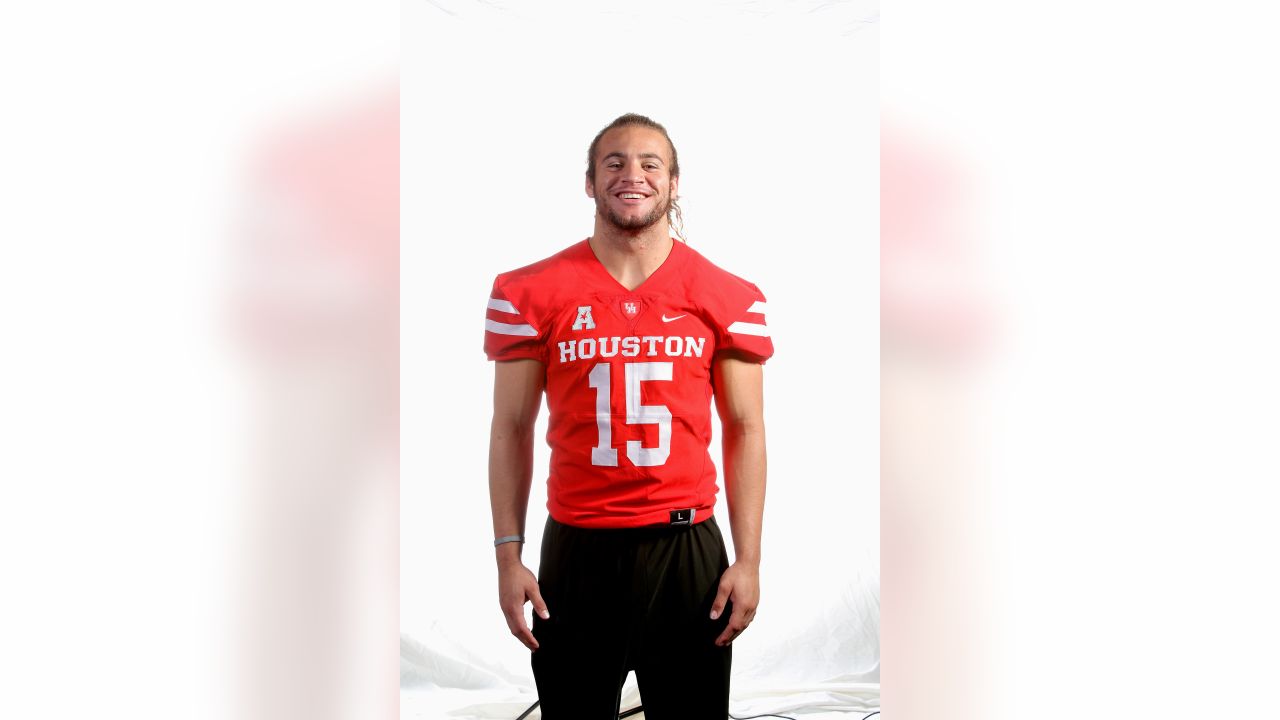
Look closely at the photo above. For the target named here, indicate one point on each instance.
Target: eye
(651, 167)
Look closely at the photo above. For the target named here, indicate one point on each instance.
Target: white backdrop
(774, 110)
(1132, 189)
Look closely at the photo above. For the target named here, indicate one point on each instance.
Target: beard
(632, 224)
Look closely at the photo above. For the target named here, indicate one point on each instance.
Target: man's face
(633, 188)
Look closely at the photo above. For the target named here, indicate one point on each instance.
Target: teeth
(628, 196)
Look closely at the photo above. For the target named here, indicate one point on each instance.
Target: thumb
(722, 596)
(539, 605)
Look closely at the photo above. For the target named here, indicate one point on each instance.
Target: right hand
(516, 586)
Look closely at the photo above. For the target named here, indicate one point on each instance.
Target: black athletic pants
(632, 599)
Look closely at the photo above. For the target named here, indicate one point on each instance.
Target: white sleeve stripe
(746, 328)
(494, 326)
(502, 306)
(756, 307)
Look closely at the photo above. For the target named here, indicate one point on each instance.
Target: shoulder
(733, 306)
(521, 304)
(716, 287)
(540, 284)
(707, 270)
(544, 268)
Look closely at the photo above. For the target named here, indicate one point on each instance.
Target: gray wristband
(507, 539)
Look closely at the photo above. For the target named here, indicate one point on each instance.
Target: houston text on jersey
(652, 345)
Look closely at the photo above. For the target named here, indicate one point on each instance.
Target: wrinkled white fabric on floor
(825, 668)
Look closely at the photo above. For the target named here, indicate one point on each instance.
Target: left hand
(741, 585)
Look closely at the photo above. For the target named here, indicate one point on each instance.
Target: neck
(631, 257)
(632, 241)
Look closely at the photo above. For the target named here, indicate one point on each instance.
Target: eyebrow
(620, 156)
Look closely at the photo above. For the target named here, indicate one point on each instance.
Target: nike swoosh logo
(669, 319)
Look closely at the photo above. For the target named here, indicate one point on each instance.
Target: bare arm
(517, 396)
(739, 393)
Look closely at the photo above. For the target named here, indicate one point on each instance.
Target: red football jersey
(628, 378)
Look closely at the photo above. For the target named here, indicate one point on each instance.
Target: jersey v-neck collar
(599, 276)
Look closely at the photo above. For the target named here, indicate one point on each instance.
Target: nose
(635, 173)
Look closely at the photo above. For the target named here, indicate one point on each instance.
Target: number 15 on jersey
(634, 374)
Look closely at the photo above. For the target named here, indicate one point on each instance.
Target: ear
(591, 192)
(675, 187)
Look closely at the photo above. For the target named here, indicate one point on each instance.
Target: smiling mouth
(631, 196)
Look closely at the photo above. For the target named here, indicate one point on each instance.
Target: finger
(522, 633)
(722, 597)
(738, 621)
(731, 633)
(525, 635)
(539, 605)
(519, 628)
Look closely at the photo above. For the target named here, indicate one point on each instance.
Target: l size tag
(683, 517)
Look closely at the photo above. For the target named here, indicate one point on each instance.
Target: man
(630, 333)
